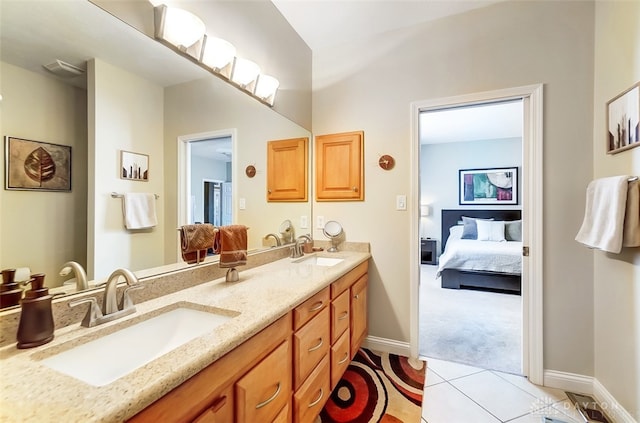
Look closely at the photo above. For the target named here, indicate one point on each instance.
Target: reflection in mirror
(139, 96)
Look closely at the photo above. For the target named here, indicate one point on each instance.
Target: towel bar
(118, 195)
(633, 178)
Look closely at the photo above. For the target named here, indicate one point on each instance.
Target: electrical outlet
(304, 222)
(401, 202)
(242, 204)
(320, 222)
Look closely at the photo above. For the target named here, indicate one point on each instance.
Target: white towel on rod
(139, 210)
(602, 227)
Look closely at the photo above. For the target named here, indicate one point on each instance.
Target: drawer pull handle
(346, 356)
(314, 403)
(220, 402)
(315, 347)
(344, 315)
(357, 296)
(317, 306)
(263, 403)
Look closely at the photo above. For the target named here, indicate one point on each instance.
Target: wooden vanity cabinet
(339, 162)
(219, 392)
(358, 313)
(287, 169)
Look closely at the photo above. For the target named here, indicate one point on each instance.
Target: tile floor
(456, 393)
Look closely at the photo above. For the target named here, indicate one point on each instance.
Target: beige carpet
(481, 329)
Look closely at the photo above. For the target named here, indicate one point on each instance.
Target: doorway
(531, 96)
(470, 317)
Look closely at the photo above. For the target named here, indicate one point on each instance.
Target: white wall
(617, 276)
(125, 113)
(43, 230)
(369, 85)
(439, 165)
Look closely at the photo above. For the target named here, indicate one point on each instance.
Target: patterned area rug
(377, 388)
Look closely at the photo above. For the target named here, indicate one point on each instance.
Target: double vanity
(269, 347)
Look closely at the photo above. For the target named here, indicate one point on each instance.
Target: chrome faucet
(80, 274)
(296, 249)
(110, 308)
(276, 237)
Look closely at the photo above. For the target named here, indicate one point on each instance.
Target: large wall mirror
(136, 95)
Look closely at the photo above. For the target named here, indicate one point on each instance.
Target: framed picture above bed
(491, 186)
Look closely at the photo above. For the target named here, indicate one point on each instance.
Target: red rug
(377, 388)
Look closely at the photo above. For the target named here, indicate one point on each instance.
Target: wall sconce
(218, 54)
(182, 29)
(245, 73)
(266, 88)
(425, 210)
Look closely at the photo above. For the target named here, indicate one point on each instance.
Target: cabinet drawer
(310, 344)
(284, 416)
(358, 314)
(221, 409)
(339, 316)
(313, 394)
(262, 392)
(305, 311)
(340, 354)
(344, 282)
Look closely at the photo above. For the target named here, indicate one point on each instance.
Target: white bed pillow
(455, 232)
(490, 231)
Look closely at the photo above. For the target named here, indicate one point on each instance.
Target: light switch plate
(320, 222)
(401, 202)
(304, 222)
(242, 204)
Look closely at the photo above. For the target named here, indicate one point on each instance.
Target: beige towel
(233, 245)
(602, 227)
(139, 210)
(631, 232)
(195, 240)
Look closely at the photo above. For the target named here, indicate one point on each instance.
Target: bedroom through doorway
(471, 167)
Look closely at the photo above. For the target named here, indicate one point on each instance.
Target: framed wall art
(36, 165)
(134, 166)
(492, 186)
(623, 121)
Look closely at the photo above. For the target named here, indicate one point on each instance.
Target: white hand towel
(139, 210)
(603, 223)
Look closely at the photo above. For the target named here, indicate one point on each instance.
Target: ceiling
(323, 23)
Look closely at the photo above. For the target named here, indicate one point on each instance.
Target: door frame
(532, 216)
(183, 201)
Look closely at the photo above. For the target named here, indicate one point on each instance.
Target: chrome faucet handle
(93, 312)
(127, 302)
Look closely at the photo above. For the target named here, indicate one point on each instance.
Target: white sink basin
(321, 261)
(102, 361)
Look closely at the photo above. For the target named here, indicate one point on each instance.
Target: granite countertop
(32, 392)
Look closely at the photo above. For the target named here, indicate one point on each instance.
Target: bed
(489, 262)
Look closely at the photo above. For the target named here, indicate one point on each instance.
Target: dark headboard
(452, 217)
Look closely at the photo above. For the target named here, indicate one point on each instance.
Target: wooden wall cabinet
(287, 169)
(339, 160)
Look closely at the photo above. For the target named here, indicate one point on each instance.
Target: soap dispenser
(10, 291)
(36, 318)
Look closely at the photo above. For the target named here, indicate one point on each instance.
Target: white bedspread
(492, 256)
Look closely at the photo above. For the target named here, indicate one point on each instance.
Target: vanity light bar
(186, 34)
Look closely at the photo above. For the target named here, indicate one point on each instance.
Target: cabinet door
(287, 170)
(220, 411)
(266, 389)
(358, 314)
(339, 167)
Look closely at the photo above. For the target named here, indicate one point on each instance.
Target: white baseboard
(387, 345)
(589, 385)
(568, 382)
(610, 405)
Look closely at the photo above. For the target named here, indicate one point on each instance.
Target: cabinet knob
(355, 189)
